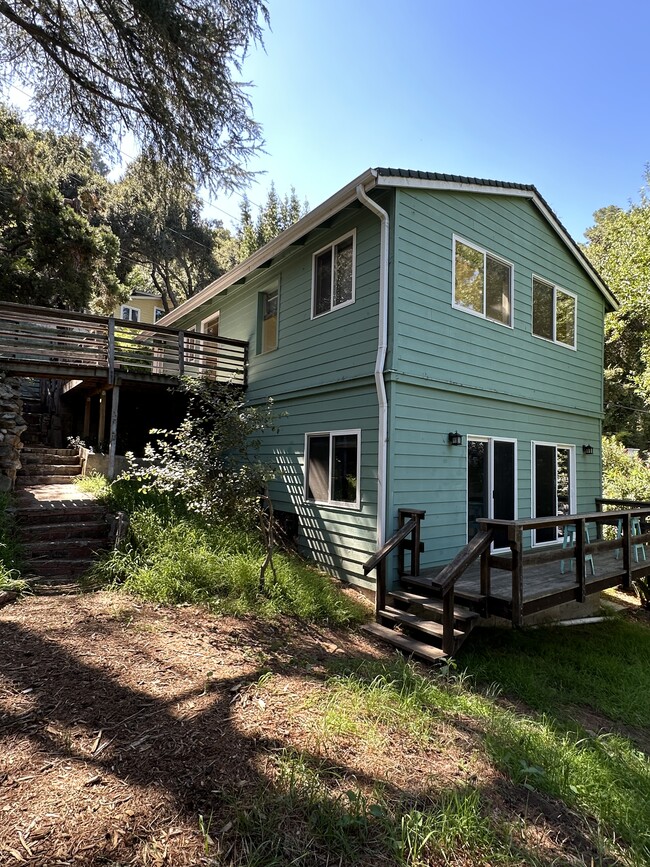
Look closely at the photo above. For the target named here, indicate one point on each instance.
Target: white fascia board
(430, 184)
(329, 208)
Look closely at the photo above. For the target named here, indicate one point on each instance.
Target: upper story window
(333, 276)
(332, 468)
(554, 313)
(131, 314)
(482, 283)
(158, 313)
(268, 321)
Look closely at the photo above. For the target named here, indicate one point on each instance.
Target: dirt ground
(123, 723)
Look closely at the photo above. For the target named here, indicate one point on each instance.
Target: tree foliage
(274, 217)
(166, 72)
(625, 476)
(53, 250)
(619, 247)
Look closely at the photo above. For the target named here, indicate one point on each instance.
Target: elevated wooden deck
(59, 344)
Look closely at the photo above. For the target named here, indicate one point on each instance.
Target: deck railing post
(111, 350)
(486, 571)
(580, 559)
(448, 622)
(515, 538)
(380, 590)
(181, 353)
(415, 550)
(627, 550)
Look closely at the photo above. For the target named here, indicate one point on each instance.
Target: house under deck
(435, 609)
(100, 356)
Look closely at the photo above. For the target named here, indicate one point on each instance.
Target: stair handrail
(411, 528)
(445, 580)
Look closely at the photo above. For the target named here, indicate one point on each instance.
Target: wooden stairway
(422, 616)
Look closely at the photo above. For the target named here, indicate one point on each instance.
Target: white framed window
(482, 282)
(333, 270)
(554, 486)
(554, 313)
(130, 314)
(267, 318)
(332, 468)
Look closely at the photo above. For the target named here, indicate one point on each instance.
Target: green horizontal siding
(436, 342)
(428, 473)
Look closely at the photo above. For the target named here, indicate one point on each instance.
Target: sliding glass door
(553, 485)
(491, 483)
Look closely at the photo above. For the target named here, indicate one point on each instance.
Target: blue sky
(554, 94)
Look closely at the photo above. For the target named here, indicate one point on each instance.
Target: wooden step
(61, 512)
(55, 530)
(465, 597)
(66, 570)
(404, 643)
(68, 549)
(433, 606)
(431, 627)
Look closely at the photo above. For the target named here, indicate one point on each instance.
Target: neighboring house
(141, 307)
(433, 342)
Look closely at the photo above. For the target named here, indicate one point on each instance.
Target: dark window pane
(126, 313)
(344, 469)
(477, 485)
(504, 488)
(497, 290)
(542, 310)
(565, 314)
(546, 500)
(318, 459)
(323, 283)
(468, 289)
(343, 275)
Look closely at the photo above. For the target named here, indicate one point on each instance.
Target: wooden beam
(101, 428)
(112, 446)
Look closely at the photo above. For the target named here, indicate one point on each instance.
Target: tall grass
(174, 556)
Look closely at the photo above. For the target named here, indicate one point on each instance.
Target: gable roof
(375, 179)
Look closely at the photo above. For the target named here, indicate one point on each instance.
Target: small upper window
(130, 314)
(158, 313)
(333, 276)
(268, 318)
(554, 313)
(332, 468)
(482, 283)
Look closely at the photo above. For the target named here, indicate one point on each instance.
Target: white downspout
(382, 347)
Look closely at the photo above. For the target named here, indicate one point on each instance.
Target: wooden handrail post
(580, 559)
(111, 350)
(380, 590)
(181, 353)
(448, 622)
(485, 572)
(415, 550)
(516, 546)
(626, 541)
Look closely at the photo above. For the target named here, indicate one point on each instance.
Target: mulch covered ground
(127, 728)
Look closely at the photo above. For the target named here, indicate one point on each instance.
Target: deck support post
(380, 589)
(101, 431)
(627, 550)
(515, 538)
(86, 428)
(485, 573)
(580, 559)
(111, 350)
(448, 622)
(112, 443)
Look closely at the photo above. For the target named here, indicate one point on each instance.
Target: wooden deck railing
(64, 344)
(406, 538)
(622, 570)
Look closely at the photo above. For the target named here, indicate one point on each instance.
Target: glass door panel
(478, 484)
(504, 477)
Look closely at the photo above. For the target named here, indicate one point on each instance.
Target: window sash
(554, 313)
(332, 467)
(482, 283)
(333, 277)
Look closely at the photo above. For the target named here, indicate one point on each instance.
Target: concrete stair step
(68, 549)
(40, 468)
(62, 512)
(30, 458)
(51, 532)
(32, 481)
(407, 645)
(47, 450)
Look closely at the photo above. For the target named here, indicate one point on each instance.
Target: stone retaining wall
(12, 425)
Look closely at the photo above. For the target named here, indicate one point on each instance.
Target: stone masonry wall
(12, 425)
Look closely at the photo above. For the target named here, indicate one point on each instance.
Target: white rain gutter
(382, 347)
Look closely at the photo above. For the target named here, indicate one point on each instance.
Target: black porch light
(587, 450)
(455, 439)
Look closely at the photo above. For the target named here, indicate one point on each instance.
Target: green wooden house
(435, 344)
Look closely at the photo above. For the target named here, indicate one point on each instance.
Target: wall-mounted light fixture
(455, 439)
(587, 450)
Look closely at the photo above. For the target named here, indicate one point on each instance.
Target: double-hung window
(130, 314)
(482, 283)
(554, 313)
(268, 321)
(333, 276)
(332, 467)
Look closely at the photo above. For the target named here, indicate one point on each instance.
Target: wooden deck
(60, 344)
